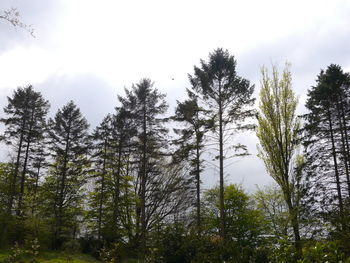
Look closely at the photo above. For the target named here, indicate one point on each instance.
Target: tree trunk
(344, 151)
(15, 174)
(340, 199)
(221, 165)
(24, 171)
(127, 205)
(143, 184)
(117, 184)
(198, 183)
(61, 188)
(102, 192)
(347, 150)
(295, 225)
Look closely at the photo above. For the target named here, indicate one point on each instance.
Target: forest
(130, 189)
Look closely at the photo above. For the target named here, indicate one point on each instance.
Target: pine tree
(69, 148)
(191, 141)
(228, 99)
(124, 131)
(24, 128)
(101, 158)
(111, 195)
(326, 141)
(146, 105)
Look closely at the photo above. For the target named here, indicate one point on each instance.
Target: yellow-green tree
(277, 131)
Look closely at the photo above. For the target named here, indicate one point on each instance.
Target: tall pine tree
(227, 97)
(326, 141)
(69, 147)
(191, 141)
(146, 106)
(24, 127)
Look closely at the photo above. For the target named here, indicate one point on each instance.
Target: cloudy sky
(89, 50)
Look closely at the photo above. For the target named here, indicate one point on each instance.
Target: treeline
(131, 188)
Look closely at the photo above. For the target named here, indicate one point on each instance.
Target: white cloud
(22, 66)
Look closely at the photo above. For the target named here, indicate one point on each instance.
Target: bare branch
(12, 16)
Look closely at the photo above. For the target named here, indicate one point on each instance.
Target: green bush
(323, 252)
(282, 252)
(71, 246)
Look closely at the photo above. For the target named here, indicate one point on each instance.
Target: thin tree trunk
(143, 184)
(102, 191)
(22, 182)
(340, 199)
(198, 184)
(35, 194)
(127, 208)
(344, 151)
(15, 174)
(295, 225)
(347, 151)
(13, 183)
(117, 185)
(24, 171)
(35, 190)
(62, 187)
(221, 165)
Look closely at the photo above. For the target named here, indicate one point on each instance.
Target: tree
(112, 196)
(326, 142)
(271, 203)
(228, 100)
(69, 147)
(12, 16)
(191, 141)
(277, 131)
(6, 170)
(124, 132)
(145, 105)
(25, 126)
(244, 222)
(102, 157)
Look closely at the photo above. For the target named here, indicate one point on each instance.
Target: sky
(89, 51)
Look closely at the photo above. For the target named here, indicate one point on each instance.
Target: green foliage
(174, 243)
(244, 223)
(191, 142)
(15, 254)
(278, 134)
(49, 257)
(19, 253)
(323, 252)
(69, 147)
(278, 126)
(271, 203)
(34, 248)
(327, 149)
(126, 193)
(282, 252)
(71, 246)
(228, 102)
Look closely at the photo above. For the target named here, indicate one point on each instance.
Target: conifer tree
(326, 141)
(69, 146)
(24, 127)
(124, 131)
(191, 141)
(227, 97)
(101, 157)
(146, 105)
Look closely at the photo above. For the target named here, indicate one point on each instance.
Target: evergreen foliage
(130, 190)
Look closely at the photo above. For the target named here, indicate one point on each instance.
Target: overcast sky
(89, 51)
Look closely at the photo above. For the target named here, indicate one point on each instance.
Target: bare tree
(12, 16)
